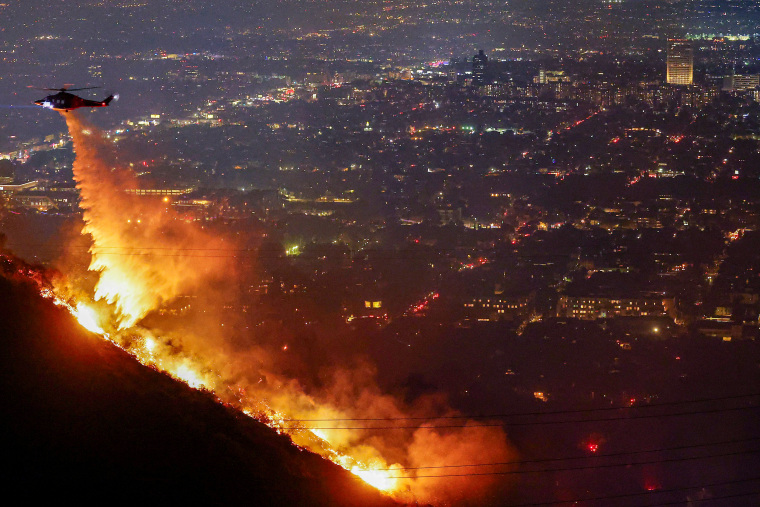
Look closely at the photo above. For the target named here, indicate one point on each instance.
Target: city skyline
(468, 253)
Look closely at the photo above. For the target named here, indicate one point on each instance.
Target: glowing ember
(380, 479)
(139, 260)
(149, 345)
(319, 434)
(88, 318)
(191, 378)
(142, 263)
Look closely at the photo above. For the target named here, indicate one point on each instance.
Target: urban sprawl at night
(514, 247)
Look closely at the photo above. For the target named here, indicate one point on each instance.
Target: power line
(371, 254)
(157, 251)
(569, 458)
(585, 467)
(643, 493)
(242, 253)
(538, 413)
(398, 254)
(680, 502)
(50, 246)
(526, 423)
(155, 254)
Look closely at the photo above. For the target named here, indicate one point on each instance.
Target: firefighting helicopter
(65, 101)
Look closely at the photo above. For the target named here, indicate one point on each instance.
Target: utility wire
(232, 256)
(519, 414)
(411, 248)
(643, 493)
(526, 423)
(695, 500)
(63, 246)
(569, 458)
(50, 246)
(585, 467)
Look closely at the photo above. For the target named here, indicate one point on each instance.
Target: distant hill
(84, 421)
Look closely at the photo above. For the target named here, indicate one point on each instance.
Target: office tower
(680, 62)
(479, 65)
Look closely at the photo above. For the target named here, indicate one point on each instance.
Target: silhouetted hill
(83, 421)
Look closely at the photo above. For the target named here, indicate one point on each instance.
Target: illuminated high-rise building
(479, 65)
(680, 62)
(738, 82)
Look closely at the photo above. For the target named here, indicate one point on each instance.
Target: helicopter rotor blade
(64, 89)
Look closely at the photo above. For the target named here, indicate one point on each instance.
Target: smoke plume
(144, 253)
(145, 256)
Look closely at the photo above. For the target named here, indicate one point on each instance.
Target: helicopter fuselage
(65, 101)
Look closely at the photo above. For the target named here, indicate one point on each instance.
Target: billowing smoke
(145, 256)
(144, 253)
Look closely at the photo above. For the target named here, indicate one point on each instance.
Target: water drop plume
(141, 247)
(145, 255)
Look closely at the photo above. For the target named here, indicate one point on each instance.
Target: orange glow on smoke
(88, 318)
(137, 245)
(139, 250)
(380, 479)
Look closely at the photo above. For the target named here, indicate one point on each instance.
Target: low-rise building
(499, 306)
(591, 307)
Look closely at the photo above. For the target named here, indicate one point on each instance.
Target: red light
(593, 447)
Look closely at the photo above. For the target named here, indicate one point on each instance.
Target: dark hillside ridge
(84, 421)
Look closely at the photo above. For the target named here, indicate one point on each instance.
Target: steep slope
(83, 420)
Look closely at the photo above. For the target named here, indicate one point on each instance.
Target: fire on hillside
(139, 254)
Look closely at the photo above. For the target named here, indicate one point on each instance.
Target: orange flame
(137, 243)
(138, 250)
